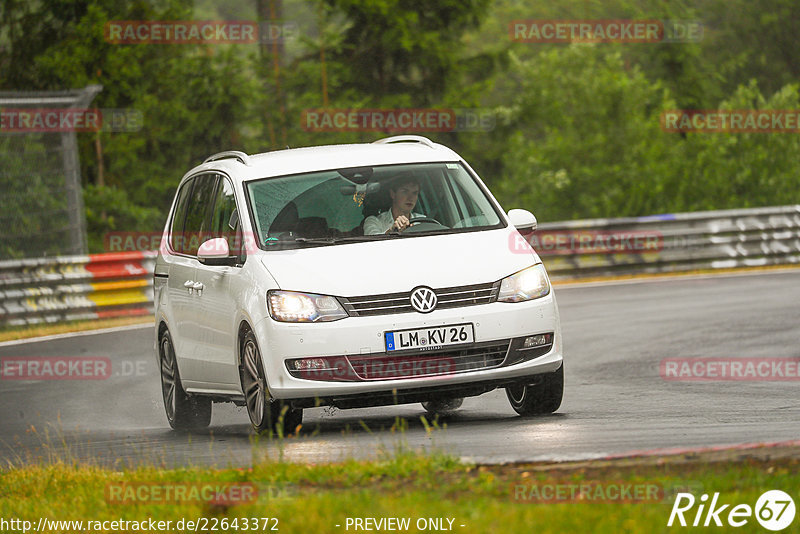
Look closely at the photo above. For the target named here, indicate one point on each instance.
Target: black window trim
(208, 209)
(219, 175)
(186, 183)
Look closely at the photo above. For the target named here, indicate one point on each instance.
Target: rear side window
(178, 218)
(197, 227)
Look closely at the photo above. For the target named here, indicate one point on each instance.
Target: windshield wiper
(417, 234)
(334, 240)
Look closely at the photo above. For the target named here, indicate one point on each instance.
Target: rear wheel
(443, 406)
(266, 414)
(540, 397)
(184, 411)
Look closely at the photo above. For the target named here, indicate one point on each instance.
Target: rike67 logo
(774, 510)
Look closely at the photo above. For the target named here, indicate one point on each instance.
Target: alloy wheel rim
(168, 377)
(254, 387)
(517, 393)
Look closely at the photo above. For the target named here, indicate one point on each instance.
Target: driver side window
(197, 226)
(224, 217)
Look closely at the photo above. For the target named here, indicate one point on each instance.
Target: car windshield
(360, 204)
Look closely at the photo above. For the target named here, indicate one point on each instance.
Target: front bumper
(411, 395)
(364, 337)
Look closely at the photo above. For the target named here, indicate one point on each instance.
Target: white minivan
(352, 276)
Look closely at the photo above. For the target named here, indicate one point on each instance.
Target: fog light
(307, 364)
(332, 368)
(537, 341)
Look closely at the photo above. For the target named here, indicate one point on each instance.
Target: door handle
(189, 285)
(199, 287)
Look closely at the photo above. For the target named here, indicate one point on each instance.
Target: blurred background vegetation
(577, 130)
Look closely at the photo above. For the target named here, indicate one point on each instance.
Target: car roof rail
(230, 154)
(405, 139)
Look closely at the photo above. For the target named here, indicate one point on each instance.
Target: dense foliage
(577, 130)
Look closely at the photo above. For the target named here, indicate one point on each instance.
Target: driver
(404, 192)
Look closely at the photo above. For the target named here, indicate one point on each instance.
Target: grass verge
(37, 330)
(317, 498)
(655, 276)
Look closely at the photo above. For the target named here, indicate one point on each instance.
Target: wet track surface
(615, 335)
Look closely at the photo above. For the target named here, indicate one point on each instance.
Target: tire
(184, 411)
(266, 414)
(542, 397)
(443, 406)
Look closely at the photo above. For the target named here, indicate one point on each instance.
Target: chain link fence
(40, 182)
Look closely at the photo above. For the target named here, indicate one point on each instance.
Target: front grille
(435, 363)
(449, 297)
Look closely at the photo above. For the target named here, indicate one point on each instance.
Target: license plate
(432, 338)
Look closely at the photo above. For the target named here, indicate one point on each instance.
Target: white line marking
(561, 285)
(66, 335)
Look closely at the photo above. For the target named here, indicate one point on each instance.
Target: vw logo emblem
(423, 299)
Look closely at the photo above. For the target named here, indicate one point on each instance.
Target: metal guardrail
(119, 284)
(678, 242)
(43, 164)
(69, 288)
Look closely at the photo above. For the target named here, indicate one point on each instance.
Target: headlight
(294, 307)
(528, 284)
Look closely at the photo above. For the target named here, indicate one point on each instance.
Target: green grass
(315, 498)
(9, 333)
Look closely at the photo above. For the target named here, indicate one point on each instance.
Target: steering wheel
(275, 238)
(415, 220)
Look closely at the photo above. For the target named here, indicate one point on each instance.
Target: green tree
(395, 47)
(586, 138)
(194, 100)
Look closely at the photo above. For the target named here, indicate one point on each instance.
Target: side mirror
(215, 252)
(523, 220)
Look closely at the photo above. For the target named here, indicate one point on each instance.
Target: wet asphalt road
(615, 335)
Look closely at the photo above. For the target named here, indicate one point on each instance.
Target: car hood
(401, 264)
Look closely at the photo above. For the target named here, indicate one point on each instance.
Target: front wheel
(443, 406)
(184, 412)
(540, 397)
(266, 414)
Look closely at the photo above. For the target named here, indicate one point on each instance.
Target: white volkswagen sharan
(349, 275)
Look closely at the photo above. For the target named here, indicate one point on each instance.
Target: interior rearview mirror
(357, 175)
(368, 189)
